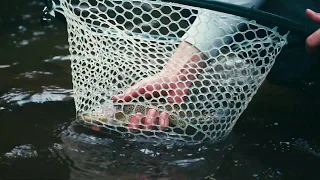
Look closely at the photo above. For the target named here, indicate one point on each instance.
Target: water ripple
(21, 97)
(59, 58)
(22, 151)
(3, 66)
(32, 74)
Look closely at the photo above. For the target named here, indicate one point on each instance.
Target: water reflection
(276, 137)
(20, 96)
(58, 58)
(22, 151)
(4, 66)
(95, 156)
(33, 74)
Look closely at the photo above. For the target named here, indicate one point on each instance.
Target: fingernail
(310, 10)
(163, 120)
(152, 113)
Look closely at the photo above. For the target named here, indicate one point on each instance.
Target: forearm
(206, 29)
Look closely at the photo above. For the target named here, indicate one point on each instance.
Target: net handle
(266, 18)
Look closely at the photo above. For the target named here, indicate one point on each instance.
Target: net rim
(61, 9)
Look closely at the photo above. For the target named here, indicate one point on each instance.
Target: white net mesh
(137, 72)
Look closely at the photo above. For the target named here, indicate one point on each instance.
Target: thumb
(313, 15)
(313, 41)
(132, 92)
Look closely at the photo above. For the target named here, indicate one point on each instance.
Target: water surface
(276, 138)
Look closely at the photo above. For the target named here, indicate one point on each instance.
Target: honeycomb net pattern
(133, 47)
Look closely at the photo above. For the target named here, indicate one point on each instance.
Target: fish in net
(116, 45)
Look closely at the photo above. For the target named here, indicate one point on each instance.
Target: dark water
(276, 138)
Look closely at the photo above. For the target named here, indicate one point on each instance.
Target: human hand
(313, 41)
(171, 90)
(171, 84)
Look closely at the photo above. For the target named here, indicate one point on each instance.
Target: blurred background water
(276, 138)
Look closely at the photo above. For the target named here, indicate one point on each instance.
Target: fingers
(149, 122)
(174, 90)
(313, 41)
(163, 120)
(179, 94)
(313, 15)
(152, 117)
(118, 98)
(174, 93)
(144, 88)
(134, 122)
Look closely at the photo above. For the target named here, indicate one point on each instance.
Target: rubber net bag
(135, 51)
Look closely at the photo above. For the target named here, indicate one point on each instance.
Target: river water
(276, 138)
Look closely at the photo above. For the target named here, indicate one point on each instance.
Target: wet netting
(164, 72)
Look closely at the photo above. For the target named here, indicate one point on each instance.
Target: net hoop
(112, 52)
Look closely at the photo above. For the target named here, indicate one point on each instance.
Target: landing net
(130, 57)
